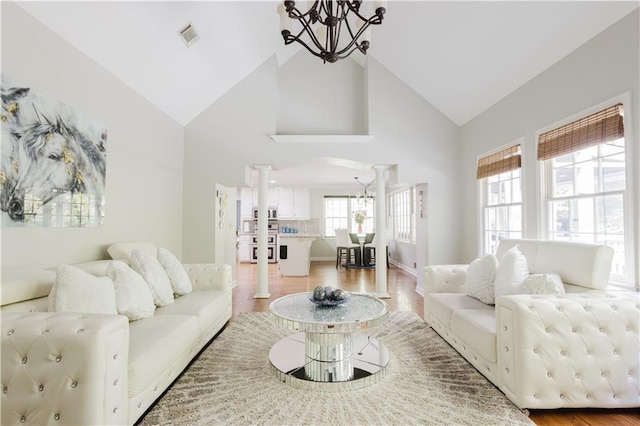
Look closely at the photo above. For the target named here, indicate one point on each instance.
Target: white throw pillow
(542, 284)
(77, 291)
(178, 276)
(148, 266)
(512, 270)
(480, 277)
(133, 296)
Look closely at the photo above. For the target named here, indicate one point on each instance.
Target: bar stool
(369, 250)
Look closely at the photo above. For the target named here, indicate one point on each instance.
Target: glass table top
(297, 312)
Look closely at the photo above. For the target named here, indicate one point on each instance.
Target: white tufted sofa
(88, 369)
(579, 349)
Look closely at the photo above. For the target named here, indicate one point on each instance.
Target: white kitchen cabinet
(244, 248)
(246, 203)
(272, 197)
(301, 204)
(285, 203)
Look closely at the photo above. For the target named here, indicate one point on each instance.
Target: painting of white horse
(53, 162)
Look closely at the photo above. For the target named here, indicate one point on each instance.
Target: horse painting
(10, 119)
(55, 158)
(49, 150)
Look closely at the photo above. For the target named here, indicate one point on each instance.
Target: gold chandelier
(333, 28)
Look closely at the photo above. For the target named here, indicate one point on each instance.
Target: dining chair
(345, 248)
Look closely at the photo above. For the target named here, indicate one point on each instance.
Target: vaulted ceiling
(462, 57)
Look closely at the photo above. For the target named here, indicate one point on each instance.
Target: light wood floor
(401, 286)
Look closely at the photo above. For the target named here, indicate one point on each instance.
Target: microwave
(272, 213)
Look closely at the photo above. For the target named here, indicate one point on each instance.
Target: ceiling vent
(188, 34)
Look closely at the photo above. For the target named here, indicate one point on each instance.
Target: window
(340, 212)
(501, 189)
(585, 185)
(402, 211)
(69, 209)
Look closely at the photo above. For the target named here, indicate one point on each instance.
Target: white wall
(144, 150)
(604, 67)
(233, 134)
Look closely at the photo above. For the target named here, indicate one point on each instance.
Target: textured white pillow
(133, 296)
(77, 291)
(541, 284)
(178, 276)
(512, 270)
(148, 266)
(480, 277)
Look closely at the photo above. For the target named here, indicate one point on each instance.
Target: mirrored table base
(329, 362)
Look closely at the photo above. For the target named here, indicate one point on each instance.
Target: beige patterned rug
(426, 383)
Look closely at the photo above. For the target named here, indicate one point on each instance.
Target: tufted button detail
(80, 330)
(559, 308)
(155, 388)
(5, 389)
(586, 308)
(24, 360)
(505, 328)
(573, 330)
(115, 410)
(115, 356)
(56, 417)
(45, 332)
(615, 352)
(562, 353)
(139, 404)
(58, 358)
(577, 375)
(588, 396)
(535, 396)
(601, 330)
(115, 382)
(546, 329)
(535, 350)
(561, 396)
(10, 332)
(588, 352)
(23, 419)
(614, 307)
(548, 373)
(602, 374)
(615, 396)
(41, 388)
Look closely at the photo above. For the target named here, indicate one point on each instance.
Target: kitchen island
(295, 254)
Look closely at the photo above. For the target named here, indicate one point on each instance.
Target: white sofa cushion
(77, 291)
(478, 329)
(541, 284)
(205, 304)
(133, 296)
(440, 306)
(122, 251)
(153, 273)
(512, 270)
(481, 275)
(180, 281)
(155, 344)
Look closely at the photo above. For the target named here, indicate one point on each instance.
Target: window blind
(595, 129)
(502, 161)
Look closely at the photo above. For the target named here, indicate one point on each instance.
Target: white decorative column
(381, 234)
(262, 284)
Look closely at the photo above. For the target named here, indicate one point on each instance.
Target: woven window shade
(503, 161)
(595, 129)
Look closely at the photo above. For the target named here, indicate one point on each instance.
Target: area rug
(427, 383)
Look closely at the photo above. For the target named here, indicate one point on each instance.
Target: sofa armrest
(210, 276)
(573, 350)
(445, 278)
(64, 368)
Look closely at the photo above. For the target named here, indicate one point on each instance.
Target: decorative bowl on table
(328, 296)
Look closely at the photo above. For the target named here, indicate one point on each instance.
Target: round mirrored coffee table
(331, 352)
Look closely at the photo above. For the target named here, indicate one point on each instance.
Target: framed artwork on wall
(53, 162)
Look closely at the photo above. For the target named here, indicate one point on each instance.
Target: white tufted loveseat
(579, 349)
(89, 369)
